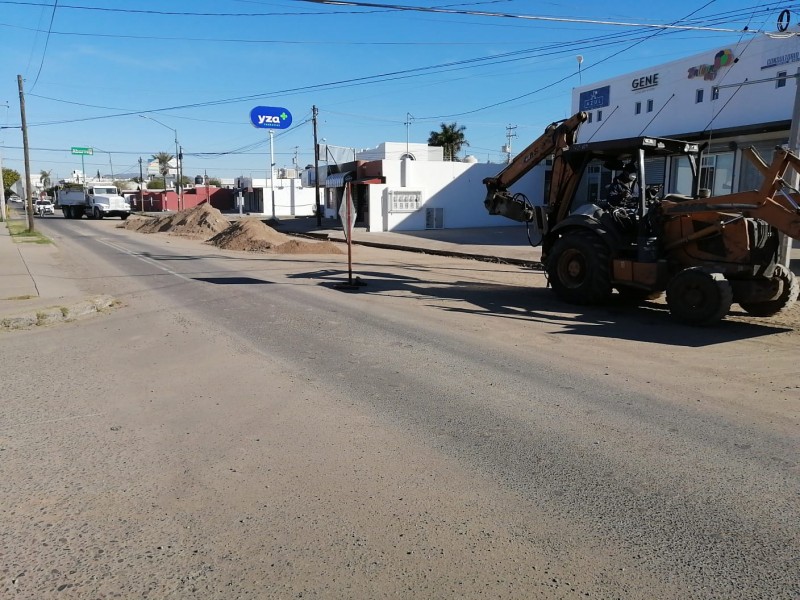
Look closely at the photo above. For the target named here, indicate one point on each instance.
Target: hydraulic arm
(557, 137)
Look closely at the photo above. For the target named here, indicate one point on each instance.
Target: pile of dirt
(249, 234)
(253, 235)
(303, 247)
(199, 222)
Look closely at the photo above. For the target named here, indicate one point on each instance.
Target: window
(715, 93)
(698, 96)
(649, 106)
(404, 200)
(781, 80)
(716, 173)
(599, 115)
(589, 120)
(638, 108)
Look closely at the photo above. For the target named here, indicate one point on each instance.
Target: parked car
(44, 207)
(15, 199)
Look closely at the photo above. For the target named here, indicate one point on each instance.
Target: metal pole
(2, 185)
(349, 235)
(180, 176)
(316, 167)
(28, 193)
(141, 187)
(2, 192)
(177, 170)
(785, 247)
(208, 198)
(272, 172)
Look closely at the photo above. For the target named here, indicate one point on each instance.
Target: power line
(479, 13)
(46, 43)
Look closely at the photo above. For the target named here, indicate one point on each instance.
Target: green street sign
(82, 151)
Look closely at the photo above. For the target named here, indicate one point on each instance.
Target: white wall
(395, 150)
(291, 199)
(675, 93)
(454, 186)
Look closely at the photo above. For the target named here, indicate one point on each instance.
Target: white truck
(95, 200)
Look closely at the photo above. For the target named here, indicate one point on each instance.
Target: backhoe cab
(603, 226)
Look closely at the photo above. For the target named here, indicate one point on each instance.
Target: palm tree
(451, 138)
(44, 177)
(163, 159)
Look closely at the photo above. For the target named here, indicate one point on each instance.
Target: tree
(44, 177)
(163, 159)
(156, 184)
(214, 181)
(451, 138)
(10, 177)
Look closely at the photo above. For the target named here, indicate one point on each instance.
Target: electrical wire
(46, 43)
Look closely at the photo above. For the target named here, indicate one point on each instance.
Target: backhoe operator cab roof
(614, 156)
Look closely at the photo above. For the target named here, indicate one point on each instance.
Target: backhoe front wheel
(789, 290)
(697, 297)
(579, 268)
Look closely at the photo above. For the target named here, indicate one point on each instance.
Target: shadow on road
(649, 322)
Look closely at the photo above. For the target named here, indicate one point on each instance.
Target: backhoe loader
(704, 252)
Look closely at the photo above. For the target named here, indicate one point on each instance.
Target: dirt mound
(253, 235)
(201, 222)
(249, 234)
(302, 247)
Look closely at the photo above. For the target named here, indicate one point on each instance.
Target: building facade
(729, 98)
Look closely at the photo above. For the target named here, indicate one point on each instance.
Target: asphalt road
(241, 429)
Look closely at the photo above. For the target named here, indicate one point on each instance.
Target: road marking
(149, 261)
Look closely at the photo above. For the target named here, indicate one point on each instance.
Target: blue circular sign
(270, 117)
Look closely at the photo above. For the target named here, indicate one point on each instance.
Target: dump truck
(705, 252)
(95, 200)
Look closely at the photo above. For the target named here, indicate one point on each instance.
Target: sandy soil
(204, 222)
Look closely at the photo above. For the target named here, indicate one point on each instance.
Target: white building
(730, 97)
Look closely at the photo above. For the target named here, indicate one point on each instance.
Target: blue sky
(92, 66)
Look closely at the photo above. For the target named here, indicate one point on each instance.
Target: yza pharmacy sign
(270, 117)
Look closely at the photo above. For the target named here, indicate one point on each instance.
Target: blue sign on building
(595, 98)
(270, 117)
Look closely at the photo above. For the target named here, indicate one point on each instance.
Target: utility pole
(2, 192)
(208, 198)
(510, 133)
(316, 166)
(26, 150)
(180, 176)
(141, 187)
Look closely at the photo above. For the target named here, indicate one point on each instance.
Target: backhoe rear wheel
(697, 297)
(579, 268)
(790, 286)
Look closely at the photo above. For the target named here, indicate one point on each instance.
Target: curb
(531, 264)
(59, 314)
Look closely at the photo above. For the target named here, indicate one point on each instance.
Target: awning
(337, 180)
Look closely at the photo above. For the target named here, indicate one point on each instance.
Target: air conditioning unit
(434, 218)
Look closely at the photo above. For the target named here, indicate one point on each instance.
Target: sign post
(347, 212)
(82, 151)
(271, 117)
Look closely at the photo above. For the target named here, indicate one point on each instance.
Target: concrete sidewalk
(33, 289)
(495, 244)
(16, 280)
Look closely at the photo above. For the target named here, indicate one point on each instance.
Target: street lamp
(178, 186)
